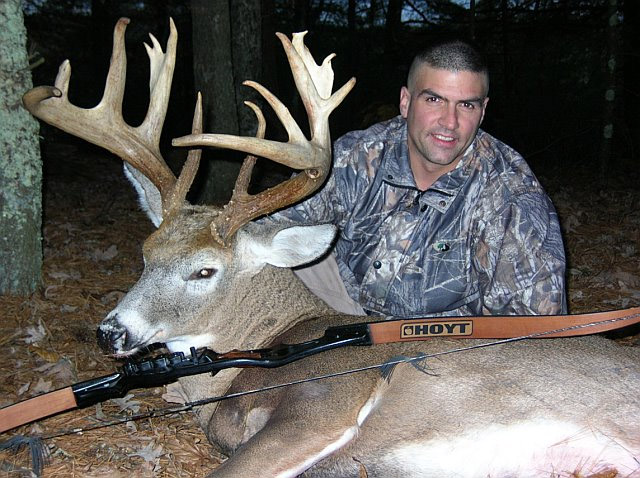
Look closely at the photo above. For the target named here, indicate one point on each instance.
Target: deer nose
(109, 332)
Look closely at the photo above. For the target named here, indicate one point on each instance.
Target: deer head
(205, 265)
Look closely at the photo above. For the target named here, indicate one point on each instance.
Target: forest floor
(93, 233)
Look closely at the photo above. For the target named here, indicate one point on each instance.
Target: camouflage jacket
(483, 239)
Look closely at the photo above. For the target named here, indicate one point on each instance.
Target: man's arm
(519, 259)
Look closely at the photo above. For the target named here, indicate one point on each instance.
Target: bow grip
(100, 389)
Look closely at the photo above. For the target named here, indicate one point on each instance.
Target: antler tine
(314, 84)
(244, 177)
(227, 223)
(179, 192)
(104, 124)
(298, 152)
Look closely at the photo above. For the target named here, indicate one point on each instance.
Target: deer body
(523, 409)
(527, 410)
(212, 278)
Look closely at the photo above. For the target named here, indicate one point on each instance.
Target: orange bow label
(426, 329)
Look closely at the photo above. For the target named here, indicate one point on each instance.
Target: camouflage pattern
(484, 239)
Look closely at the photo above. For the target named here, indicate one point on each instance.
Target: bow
(167, 368)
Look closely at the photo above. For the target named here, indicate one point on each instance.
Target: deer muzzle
(112, 336)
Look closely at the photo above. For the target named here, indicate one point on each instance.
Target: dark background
(548, 63)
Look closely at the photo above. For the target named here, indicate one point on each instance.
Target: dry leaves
(127, 403)
(34, 333)
(174, 393)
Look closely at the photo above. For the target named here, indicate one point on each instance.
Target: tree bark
(227, 46)
(472, 19)
(393, 30)
(213, 64)
(393, 20)
(610, 94)
(246, 45)
(629, 105)
(301, 15)
(372, 13)
(20, 163)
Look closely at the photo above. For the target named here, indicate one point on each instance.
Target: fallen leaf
(48, 355)
(570, 223)
(62, 370)
(577, 295)
(149, 453)
(35, 333)
(24, 388)
(626, 279)
(106, 255)
(60, 275)
(112, 297)
(49, 292)
(99, 413)
(126, 403)
(174, 393)
(42, 386)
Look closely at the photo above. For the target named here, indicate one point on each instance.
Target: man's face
(443, 110)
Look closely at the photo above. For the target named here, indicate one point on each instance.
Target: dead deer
(215, 278)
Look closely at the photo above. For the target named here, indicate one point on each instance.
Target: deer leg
(307, 427)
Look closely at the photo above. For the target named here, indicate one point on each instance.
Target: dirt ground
(93, 231)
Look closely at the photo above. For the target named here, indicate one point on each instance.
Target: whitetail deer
(546, 408)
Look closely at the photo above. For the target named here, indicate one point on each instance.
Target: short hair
(451, 54)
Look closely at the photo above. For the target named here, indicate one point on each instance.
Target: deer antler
(314, 83)
(104, 124)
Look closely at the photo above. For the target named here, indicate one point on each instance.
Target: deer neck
(269, 313)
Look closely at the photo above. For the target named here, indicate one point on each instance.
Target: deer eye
(206, 273)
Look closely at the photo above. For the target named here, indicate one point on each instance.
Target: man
(435, 216)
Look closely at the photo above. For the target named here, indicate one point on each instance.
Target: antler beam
(104, 124)
(314, 83)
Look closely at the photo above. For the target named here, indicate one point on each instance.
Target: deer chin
(126, 349)
(184, 343)
(124, 354)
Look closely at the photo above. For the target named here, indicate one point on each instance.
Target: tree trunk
(611, 68)
(20, 164)
(392, 31)
(629, 105)
(246, 44)
(270, 46)
(472, 19)
(372, 13)
(393, 20)
(301, 15)
(227, 49)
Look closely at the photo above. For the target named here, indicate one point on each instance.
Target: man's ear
(405, 101)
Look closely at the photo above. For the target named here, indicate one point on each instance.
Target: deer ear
(300, 245)
(148, 195)
(291, 246)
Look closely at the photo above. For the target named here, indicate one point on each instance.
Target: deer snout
(111, 335)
